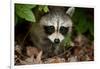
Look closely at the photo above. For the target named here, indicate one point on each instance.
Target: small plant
(23, 11)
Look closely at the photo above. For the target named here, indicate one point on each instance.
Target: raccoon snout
(56, 41)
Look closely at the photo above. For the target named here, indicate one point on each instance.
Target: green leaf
(29, 6)
(45, 9)
(40, 7)
(24, 11)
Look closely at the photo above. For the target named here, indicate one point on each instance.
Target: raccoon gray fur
(49, 33)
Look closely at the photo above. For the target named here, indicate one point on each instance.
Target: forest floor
(82, 49)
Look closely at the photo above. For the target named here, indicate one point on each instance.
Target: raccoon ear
(70, 11)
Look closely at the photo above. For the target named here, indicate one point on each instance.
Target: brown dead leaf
(34, 54)
(55, 60)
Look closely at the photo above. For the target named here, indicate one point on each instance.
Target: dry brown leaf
(55, 60)
(35, 54)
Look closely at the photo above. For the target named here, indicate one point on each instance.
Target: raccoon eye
(64, 30)
(49, 29)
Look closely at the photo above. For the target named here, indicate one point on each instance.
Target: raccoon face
(57, 24)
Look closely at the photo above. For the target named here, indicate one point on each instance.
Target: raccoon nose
(56, 41)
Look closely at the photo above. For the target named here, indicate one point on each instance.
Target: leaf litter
(82, 50)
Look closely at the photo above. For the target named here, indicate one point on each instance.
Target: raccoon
(50, 32)
(57, 24)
